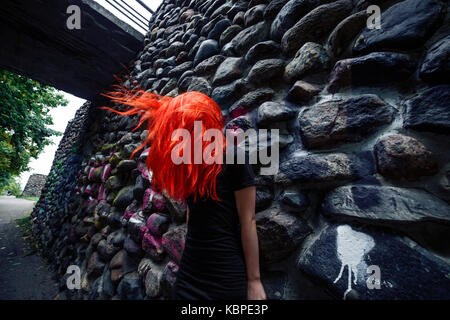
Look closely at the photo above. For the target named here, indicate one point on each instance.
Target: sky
(62, 115)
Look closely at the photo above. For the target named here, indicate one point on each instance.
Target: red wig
(164, 115)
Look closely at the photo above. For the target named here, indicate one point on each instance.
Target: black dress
(212, 265)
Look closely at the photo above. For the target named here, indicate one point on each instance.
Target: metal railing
(131, 13)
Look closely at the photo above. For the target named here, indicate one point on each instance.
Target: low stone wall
(34, 185)
(361, 199)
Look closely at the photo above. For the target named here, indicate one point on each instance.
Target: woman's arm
(245, 202)
(187, 214)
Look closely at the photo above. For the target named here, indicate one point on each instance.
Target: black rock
(319, 170)
(230, 69)
(405, 25)
(294, 201)
(262, 50)
(339, 257)
(436, 66)
(250, 36)
(218, 29)
(343, 120)
(429, 110)
(207, 49)
(384, 68)
(279, 234)
(130, 287)
(266, 70)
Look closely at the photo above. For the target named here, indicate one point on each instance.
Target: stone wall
(34, 185)
(363, 185)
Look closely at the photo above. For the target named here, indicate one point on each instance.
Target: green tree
(24, 121)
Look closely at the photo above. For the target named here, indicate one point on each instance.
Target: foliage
(24, 121)
(13, 186)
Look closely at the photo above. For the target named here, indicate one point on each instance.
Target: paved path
(22, 276)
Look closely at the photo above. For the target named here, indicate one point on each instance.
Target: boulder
(435, 67)
(279, 234)
(343, 120)
(400, 156)
(429, 110)
(353, 264)
(173, 242)
(405, 25)
(266, 71)
(311, 57)
(318, 170)
(315, 25)
(384, 68)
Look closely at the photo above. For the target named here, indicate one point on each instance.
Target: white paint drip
(352, 246)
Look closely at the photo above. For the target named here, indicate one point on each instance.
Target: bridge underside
(35, 42)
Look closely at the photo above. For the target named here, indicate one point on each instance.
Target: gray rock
(130, 288)
(262, 50)
(250, 101)
(344, 33)
(294, 202)
(311, 57)
(429, 110)
(168, 279)
(180, 69)
(384, 68)
(315, 25)
(436, 65)
(302, 92)
(173, 242)
(266, 70)
(218, 29)
(250, 36)
(339, 257)
(271, 111)
(95, 266)
(152, 281)
(209, 66)
(176, 209)
(254, 15)
(207, 49)
(405, 25)
(279, 234)
(230, 69)
(272, 9)
(385, 204)
(319, 170)
(200, 84)
(226, 95)
(229, 34)
(120, 265)
(290, 13)
(343, 120)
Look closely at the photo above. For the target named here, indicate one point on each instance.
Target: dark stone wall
(34, 185)
(364, 173)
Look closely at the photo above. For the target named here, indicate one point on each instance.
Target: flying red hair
(164, 115)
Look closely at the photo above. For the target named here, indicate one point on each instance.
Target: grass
(30, 198)
(27, 234)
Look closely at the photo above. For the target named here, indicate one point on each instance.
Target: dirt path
(22, 275)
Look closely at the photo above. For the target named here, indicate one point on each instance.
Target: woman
(220, 259)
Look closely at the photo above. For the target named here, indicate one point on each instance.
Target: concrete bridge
(36, 42)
